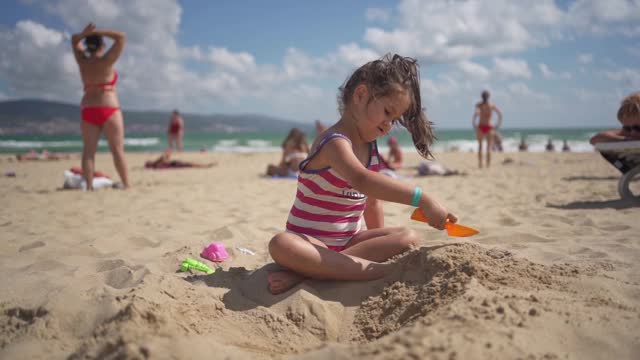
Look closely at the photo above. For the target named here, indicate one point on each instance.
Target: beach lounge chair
(625, 156)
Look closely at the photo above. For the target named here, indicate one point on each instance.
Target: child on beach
(339, 185)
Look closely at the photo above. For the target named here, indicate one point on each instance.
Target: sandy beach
(553, 274)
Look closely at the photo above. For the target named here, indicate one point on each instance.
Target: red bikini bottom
(97, 115)
(484, 129)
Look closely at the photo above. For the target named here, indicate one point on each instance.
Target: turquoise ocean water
(461, 140)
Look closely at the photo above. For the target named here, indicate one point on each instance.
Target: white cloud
(34, 61)
(237, 62)
(354, 55)
(627, 78)
(585, 58)
(548, 74)
(521, 92)
(603, 16)
(511, 68)
(443, 31)
(474, 70)
(378, 14)
(157, 71)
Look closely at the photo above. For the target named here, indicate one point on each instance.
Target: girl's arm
(373, 214)
(119, 39)
(76, 39)
(339, 155)
(499, 116)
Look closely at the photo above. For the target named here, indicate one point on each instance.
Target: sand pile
(436, 296)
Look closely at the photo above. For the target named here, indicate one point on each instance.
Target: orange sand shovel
(453, 229)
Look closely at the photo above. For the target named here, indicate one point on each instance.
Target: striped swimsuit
(326, 206)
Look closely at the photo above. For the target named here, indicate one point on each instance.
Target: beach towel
(74, 180)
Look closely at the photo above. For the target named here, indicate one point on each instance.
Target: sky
(546, 63)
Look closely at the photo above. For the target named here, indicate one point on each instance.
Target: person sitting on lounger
(165, 162)
(629, 117)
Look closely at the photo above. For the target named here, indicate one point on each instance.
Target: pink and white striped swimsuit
(326, 206)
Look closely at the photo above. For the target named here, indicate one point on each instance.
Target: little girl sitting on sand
(339, 184)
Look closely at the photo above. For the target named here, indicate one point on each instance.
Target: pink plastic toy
(215, 252)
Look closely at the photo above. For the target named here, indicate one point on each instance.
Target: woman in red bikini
(484, 110)
(175, 131)
(100, 108)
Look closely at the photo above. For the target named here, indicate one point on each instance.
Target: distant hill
(48, 117)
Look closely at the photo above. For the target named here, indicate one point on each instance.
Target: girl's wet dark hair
(390, 75)
(93, 43)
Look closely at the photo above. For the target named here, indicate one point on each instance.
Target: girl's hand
(91, 27)
(437, 214)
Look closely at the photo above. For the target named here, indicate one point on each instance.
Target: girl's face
(379, 114)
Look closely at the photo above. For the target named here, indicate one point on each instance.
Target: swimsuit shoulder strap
(320, 145)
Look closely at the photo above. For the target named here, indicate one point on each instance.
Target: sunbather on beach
(165, 162)
(484, 128)
(44, 155)
(629, 117)
(394, 160)
(295, 149)
(339, 184)
(100, 105)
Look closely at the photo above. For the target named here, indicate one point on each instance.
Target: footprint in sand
(592, 254)
(125, 277)
(33, 245)
(221, 234)
(620, 227)
(49, 265)
(144, 242)
(507, 220)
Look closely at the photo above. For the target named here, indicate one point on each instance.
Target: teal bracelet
(417, 193)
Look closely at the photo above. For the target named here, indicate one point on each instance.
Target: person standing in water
(484, 128)
(100, 108)
(175, 132)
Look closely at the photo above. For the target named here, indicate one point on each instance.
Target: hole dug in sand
(232, 315)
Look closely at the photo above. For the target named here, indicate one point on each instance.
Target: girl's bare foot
(281, 281)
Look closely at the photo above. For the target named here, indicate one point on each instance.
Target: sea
(246, 142)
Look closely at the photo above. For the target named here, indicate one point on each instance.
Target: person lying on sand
(165, 162)
(44, 155)
(430, 168)
(339, 184)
